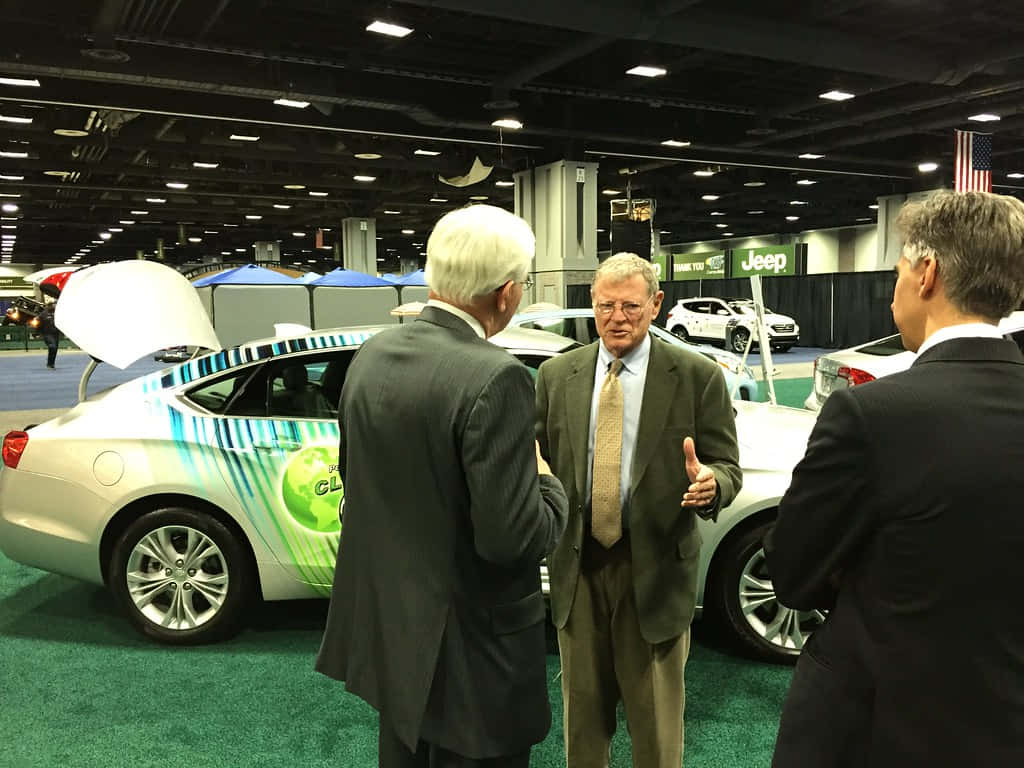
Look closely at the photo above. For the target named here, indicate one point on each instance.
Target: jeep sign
(770, 260)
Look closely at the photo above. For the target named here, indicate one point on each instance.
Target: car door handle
(276, 445)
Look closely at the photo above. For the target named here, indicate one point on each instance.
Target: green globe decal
(311, 489)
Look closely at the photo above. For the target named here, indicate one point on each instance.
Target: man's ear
(929, 277)
(503, 295)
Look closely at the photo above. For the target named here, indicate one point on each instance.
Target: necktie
(606, 513)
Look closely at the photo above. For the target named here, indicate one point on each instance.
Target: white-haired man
(904, 519)
(622, 422)
(437, 616)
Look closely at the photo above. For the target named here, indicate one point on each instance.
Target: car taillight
(14, 446)
(854, 376)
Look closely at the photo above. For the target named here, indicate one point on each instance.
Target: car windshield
(747, 307)
(890, 345)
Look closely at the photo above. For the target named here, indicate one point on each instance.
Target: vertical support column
(359, 244)
(559, 201)
(889, 243)
(267, 250)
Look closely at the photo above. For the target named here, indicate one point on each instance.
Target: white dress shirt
(962, 331)
(459, 313)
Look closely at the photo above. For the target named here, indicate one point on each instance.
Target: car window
(563, 326)
(307, 387)
(238, 394)
(697, 306)
(890, 345)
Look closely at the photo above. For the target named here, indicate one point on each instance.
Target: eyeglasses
(527, 284)
(630, 309)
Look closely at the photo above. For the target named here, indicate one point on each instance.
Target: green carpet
(79, 688)
(791, 392)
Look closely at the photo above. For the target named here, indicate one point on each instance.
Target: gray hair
(977, 242)
(623, 266)
(476, 249)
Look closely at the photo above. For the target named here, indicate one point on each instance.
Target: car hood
(771, 437)
(126, 310)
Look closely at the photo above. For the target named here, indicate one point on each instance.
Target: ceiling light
(61, 174)
(704, 172)
(389, 29)
(478, 197)
(105, 235)
(210, 232)
(139, 213)
(225, 253)
(8, 226)
(243, 137)
(408, 231)
(127, 222)
(835, 95)
(18, 120)
(718, 213)
(439, 199)
(195, 239)
(19, 81)
(798, 202)
(225, 224)
(426, 152)
(873, 207)
(177, 185)
(291, 103)
(10, 194)
(198, 164)
(253, 216)
(281, 206)
(504, 183)
(611, 191)
(155, 200)
(721, 226)
(984, 117)
(755, 213)
(927, 167)
(644, 71)
(792, 218)
(864, 218)
(753, 184)
(810, 156)
(674, 143)
(9, 208)
(368, 156)
(315, 193)
(239, 250)
(806, 182)
(664, 231)
(508, 122)
(73, 133)
(298, 234)
(115, 229)
(727, 234)
(1015, 175)
(294, 186)
(391, 213)
(364, 179)
(709, 198)
(13, 155)
(7, 177)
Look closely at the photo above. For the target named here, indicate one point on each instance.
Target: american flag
(973, 162)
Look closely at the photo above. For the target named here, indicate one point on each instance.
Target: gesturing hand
(703, 485)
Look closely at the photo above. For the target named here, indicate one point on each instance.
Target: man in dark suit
(436, 616)
(622, 422)
(904, 519)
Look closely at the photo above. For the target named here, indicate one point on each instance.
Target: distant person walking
(47, 330)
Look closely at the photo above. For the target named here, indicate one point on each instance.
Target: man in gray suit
(436, 616)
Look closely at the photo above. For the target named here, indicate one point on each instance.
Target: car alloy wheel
(680, 332)
(182, 576)
(739, 340)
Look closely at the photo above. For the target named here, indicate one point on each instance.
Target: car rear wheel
(744, 597)
(680, 332)
(739, 340)
(182, 576)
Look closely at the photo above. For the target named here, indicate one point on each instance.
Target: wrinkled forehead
(611, 287)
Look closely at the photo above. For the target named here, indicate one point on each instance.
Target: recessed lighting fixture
(721, 226)
(9, 208)
(298, 234)
(755, 213)
(10, 194)
(8, 226)
(508, 122)
(873, 207)
(195, 239)
(368, 156)
(239, 250)
(504, 183)
(611, 191)
(126, 222)
(835, 95)
(315, 193)
(177, 185)
(243, 137)
(364, 179)
(727, 234)
(478, 197)
(115, 229)
(645, 71)
(709, 198)
(984, 117)
(60, 174)
(225, 224)
(71, 133)
(439, 199)
(810, 156)
(792, 218)
(664, 231)
(1015, 175)
(291, 103)
(253, 216)
(864, 218)
(806, 182)
(753, 183)
(674, 143)
(155, 200)
(18, 120)
(391, 213)
(13, 155)
(105, 235)
(704, 172)
(199, 164)
(408, 231)
(798, 202)
(389, 29)
(33, 83)
(427, 152)
(225, 253)
(210, 232)
(718, 213)
(294, 186)
(7, 177)
(282, 206)
(927, 167)
(139, 213)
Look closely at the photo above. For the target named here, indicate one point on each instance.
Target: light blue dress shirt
(633, 377)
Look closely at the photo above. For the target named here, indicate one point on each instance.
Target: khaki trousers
(605, 659)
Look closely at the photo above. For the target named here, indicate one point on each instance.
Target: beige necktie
(606, 514)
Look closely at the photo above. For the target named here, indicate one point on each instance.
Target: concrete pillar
(359, 244)
(889, 242)
(267, 250)
(559, 201)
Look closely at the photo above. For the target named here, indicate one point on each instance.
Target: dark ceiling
(156, 86)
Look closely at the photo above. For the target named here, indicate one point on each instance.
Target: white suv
(729, 322)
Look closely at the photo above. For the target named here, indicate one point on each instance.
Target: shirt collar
(634, 360)
(962, 331)
(473, 323)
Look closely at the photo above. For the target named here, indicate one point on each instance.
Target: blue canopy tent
(250, 274)
(413, 278)
(349, 278)
(309, 277)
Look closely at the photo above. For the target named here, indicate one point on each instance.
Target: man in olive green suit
(624, 582)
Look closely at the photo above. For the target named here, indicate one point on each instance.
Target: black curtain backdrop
(834, 311)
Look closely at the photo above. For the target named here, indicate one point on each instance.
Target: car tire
(738, 340)
(182, 576)
(741, 595)
(679, 332)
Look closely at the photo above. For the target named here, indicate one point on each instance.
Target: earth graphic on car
(311, 489)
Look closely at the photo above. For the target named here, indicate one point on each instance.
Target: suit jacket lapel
(579, 393)
(659, 394)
